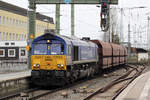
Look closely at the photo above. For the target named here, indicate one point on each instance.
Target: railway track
(126, 77)
(15, 95)
(37, 94)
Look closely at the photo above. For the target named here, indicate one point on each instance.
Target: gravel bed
(80, 91)
(147, 69)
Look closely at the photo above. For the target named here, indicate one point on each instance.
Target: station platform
(16, 75)
(139, 89)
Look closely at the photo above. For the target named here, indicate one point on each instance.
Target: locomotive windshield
(50, 49)
(57, 49)
(40, 49)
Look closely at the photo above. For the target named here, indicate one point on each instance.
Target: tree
(116, 39)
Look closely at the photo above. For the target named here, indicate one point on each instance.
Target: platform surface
(16, 75)
(139, 89)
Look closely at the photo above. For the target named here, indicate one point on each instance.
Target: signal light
(104, 14)
(104, 5)
(31, 36)
(104, 8)
(28, 48)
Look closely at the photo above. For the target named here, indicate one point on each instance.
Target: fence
(7, 66)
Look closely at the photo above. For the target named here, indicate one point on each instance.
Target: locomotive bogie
(48, 77)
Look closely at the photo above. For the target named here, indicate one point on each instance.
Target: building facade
(14, 23)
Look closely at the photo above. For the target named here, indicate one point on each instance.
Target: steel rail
(126, 85)
(17, 94)
(46, 93)
(116, 81)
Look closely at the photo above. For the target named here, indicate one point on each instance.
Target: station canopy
(72, 1)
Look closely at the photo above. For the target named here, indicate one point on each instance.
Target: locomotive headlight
(34, 65)
(58, 65)
(37, 65)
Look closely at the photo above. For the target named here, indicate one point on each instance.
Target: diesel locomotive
(57, 59)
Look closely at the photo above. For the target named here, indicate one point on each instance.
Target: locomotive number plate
(48, 58)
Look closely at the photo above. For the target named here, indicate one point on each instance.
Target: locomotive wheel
(67, 81)
(71, 80)
(89, 74)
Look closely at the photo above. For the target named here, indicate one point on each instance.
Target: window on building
(25, 24)
(19, 37)
(25, 37)
(22, 23)
(13, 43)
(36, 27)
(7, 43)
(10, 37)
(0, 36)
(10, 21)
(0, 19)
(13, 36)
(19, 22)
(11, 52)
(16, 36)
(22, 37)
(3, 36)
(2, 52)
(3, 19)
(7, 21)
(22, 52)
(7, 36)
(14, 21)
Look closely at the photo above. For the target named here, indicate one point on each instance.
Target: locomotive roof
(76, 41)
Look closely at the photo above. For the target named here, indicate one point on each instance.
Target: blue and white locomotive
(57, 59)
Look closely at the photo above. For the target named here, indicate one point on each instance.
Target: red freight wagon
(105, 53)
(115, 49)
(110, 54)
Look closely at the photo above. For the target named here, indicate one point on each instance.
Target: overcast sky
(87, 17)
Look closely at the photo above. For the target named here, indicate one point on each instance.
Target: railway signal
(104, 8)
(105, 15)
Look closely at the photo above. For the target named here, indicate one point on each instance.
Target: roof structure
(138, 50)
(21, 11)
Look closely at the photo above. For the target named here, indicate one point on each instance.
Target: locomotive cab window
(2, 53)
(57, 49)
(11, 52)
(52, 49)
(40, 49)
